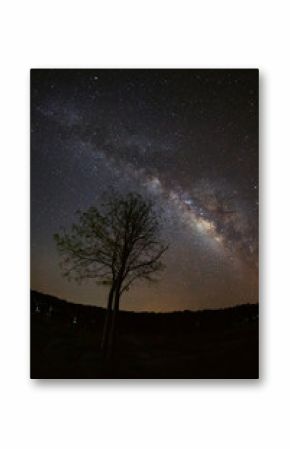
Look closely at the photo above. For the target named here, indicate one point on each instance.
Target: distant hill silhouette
(65, 340)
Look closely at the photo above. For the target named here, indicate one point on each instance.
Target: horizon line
(146, 311)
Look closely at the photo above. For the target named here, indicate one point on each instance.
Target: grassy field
(221, 344)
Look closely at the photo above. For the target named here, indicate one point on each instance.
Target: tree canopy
(115, 244)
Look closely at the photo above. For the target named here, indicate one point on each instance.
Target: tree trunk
(114, 326)
(105, 335)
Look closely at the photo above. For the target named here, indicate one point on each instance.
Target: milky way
(188, 139)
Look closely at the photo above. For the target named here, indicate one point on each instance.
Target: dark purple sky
(186, 138)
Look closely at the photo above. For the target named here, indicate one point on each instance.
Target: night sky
(186, 138)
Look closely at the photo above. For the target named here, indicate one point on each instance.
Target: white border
(206, 414)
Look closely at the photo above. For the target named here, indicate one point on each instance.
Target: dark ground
(215, 344)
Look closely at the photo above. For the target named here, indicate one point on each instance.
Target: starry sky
(188, 139)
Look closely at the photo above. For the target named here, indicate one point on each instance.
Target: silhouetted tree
(115, 245)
